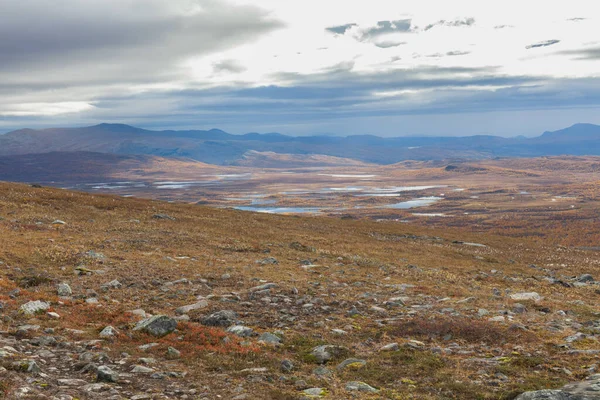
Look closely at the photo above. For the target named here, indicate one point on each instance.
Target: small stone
(240, 330)
(526, 296)
(108, 332)
(140, 369)
(318, 392)
(224, 319)
(159, 325)
(197, 306)
(266, 286)
(351, 363)
(585, 278)
(360, 387)
(173, 353)
(64, 290)
(269, 338)
(267, 261)
(287, 366)
(390, 347)
(163, 216)
(114, 284)
(105, 374)
(34, 307)
(325, 353)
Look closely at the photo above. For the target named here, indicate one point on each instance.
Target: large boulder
(158, 325)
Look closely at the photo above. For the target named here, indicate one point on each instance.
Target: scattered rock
(196, 306)
(526, 296)
(223, 318)
(269, 338)
(351, 363)
(360, 387)
(327, 352)
(390, 347)
(64, 290)
(163, 216)
(159, 325)
(240, 330)
(34, 307)
(108, 332)
(105, 374)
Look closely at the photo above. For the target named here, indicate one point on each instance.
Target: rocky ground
(104, 297)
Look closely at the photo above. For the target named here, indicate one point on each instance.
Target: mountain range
(221, 148)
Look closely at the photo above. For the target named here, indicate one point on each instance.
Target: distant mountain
(218, 147)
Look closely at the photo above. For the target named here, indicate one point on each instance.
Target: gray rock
(266, 286)
(173, 353)
(114, 284)
(197, 306)
(548, 395)
(390, 347)
(108, 332)
(287, 366)
(321, 371)
(526, 296)
(64, 290)
(224, 319)
(159, 325)
(585, 278)
(240, 330)
(269, 338)
(351, 363)
(318, 392)
(140, 369)
(33, 307)
(163, 216)
(267, 261)
(106, 374)
(326, 352)
(360, 387)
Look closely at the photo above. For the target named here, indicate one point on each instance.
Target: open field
(514, 197)
(447, 290)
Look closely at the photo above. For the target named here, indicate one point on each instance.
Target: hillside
(84, 166)
(270, 159)
(218, 147)
(403, 311)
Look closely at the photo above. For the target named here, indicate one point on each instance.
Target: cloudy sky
(390, 68)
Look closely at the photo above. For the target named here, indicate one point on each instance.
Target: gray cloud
(457, 53)
(584, 54)
(379, 35)
(545, 43)
(387, 27)
(454, 23)
(341, 29)
(229, 66)
(100, 41)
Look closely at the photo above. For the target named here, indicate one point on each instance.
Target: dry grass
(360, 263)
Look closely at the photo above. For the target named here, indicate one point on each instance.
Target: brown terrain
(483, 288)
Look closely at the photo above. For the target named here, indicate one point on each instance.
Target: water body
(347, 176)
(280, 210)
(421, 202)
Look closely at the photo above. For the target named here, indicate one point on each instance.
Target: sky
(339, 67)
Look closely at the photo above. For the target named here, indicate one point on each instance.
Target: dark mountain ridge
(219, 147)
